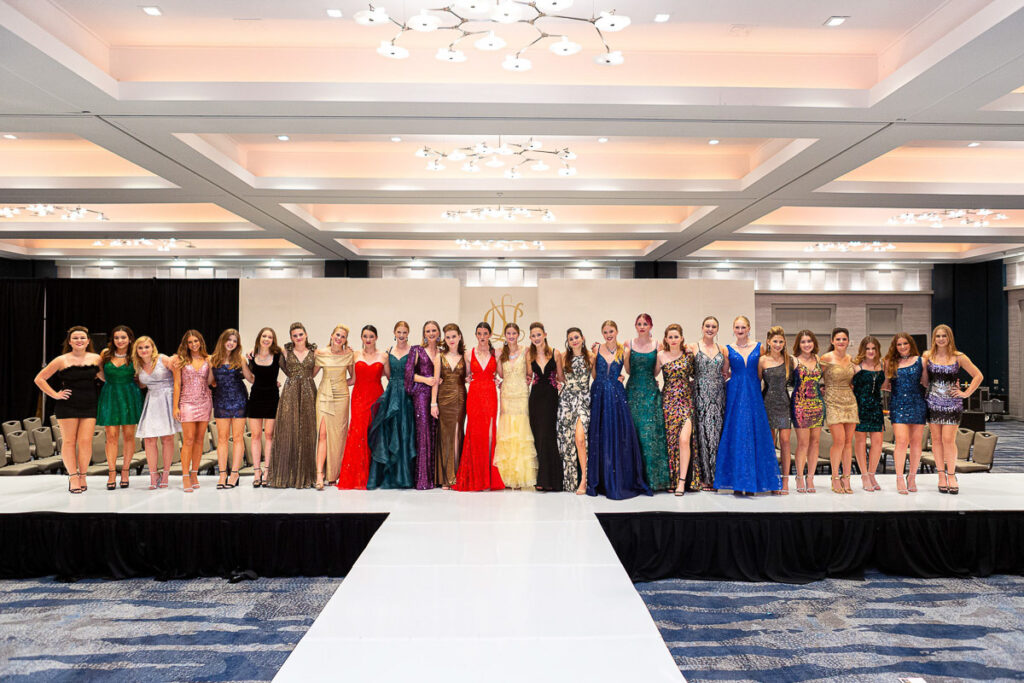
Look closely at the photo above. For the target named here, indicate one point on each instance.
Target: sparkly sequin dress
(543, 411)
(451, 419)
(355, 461)
(943, 407)
(573, 410)
(867, 388)
(776, 397)
(294, 464)
(709, 406)
(677, 410)
(195, 400)
(746, 452)
(392, 434)
(230, 395)
(840, 403)
(419, 363)
(615, 465)
(645, 408)
(906, 403)
(515, 456)
(808, 405)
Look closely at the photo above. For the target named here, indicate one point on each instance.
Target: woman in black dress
(543, 406)
(76, 396)
(264, 364)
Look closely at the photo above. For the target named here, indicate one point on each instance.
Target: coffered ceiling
(737, 129)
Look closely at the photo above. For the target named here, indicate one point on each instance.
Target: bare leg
(874, 457)
(168, 456)
(69, 453)
(847, 454)
(684, 455)
(151, 461)
(256, 428)
(916, 434)
(110, 447)
(835, 453)
(238, 448)
(580, 437)
(784, 458)
(223, 434)
(321, 454)
(268, 445)
(812, 458)
(803, 440)
(128, 440)
(197, 453)
(860, 451)
(901, 434)
(188, 437)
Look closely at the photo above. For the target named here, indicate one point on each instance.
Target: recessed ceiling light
(661, 18)
(835, 21)
(713, 142)
(396, 139)
(10, 136)
(334, 13)
(151, 10)
(970, 144)
(602, 139)
(283, 138)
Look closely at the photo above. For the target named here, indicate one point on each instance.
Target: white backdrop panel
(322, 303)
(588, 303)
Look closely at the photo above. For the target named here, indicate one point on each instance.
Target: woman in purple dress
(419, 382)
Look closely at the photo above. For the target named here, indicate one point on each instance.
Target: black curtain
(21, 347)
(161, 309)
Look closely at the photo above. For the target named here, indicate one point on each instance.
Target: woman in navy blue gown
(746, 453)
(614, 466)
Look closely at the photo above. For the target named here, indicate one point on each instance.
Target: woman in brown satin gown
(448, 405)
(295, 445)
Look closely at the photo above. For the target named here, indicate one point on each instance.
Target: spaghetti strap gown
(709, 409)
(419, 363)
(392, 434)
(355, 463)
(677, 409)
(294, 464)
(514, 453)
(746, 452)
(476, 469)
(543, 424)
(645, 407)
(614, 463)
(451, 414)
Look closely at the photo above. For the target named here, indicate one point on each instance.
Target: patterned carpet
(1010, 449)
(142, 630)
(834, 630)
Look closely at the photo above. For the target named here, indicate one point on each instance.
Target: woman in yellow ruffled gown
(514, 453)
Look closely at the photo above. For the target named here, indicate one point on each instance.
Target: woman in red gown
(370, 365)
(476, 469)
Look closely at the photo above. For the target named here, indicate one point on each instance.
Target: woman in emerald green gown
(645, 405)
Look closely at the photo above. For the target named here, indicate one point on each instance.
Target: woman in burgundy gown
(476, 469)
(369, 367)
(419, 384)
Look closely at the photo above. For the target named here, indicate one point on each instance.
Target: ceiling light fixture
(158, 244)
(520, 154)
(283, 138)
(713, 142)
(395, 138)
(851, 246)
(661, 18)
(10, 136)
(334, 13)
(834, 21)
(508, 213)
(152, 10)
(973, 218)
(500, 245)
(67, 213)
(602, 140)
(495, 13)
(973, 144)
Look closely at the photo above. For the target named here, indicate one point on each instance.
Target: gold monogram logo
(497, 316)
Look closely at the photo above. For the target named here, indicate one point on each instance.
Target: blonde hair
(743, 318)
(339, 326)
(401, 323)
(136, 359)
(952, 344)
(423, 333)
(220, 351)
(619, 350)
(776, 331)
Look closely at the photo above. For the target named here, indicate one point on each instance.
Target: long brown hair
(487, 326)
(862, 350)
(584, 351)
(664, 340)
(111, 348)
(505, 353)
(953, 353)
(274, 348)
(799, 338)
(220, 351)
(66, 346)
(777, 331)
(892, 357)
(443, 345)
(184, 358)
(532, 356)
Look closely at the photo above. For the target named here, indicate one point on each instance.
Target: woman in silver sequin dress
(775, 367)
(710, 376)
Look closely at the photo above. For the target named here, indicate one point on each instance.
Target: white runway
(487, 586)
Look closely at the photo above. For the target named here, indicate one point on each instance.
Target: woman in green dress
(392, 431)
(120, 402)
(645, 405)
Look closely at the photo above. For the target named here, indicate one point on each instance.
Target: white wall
(588, 303)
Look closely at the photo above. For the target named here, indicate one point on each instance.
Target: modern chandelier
(851, 246)
(502, 245)
(492, 13)
(158, 244)
(67, 213)
(974, 218)
(508, 213)
(519, 155)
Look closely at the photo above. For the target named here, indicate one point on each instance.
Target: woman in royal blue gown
(614, 466)
(746, 453)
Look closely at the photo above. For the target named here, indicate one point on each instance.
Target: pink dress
(196, 401)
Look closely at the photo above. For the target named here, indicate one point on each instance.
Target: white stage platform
(493, 586)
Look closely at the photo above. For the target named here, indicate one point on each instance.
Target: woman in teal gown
(645, 406)
(392, 434)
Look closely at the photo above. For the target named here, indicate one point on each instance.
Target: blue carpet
(142, 630)
(834, 630)
(1010, 449)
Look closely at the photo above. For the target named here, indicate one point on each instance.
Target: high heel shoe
(186, 483)
(125, 471)
(865, 482)
(256, 476)
(912, 482)
(943, 483)
(112, 479)
(165, 478)
(800, 486)
(902, 490)
(154, 481)
(810, 484)
(846, 483)
(874, 482)
(229, 484)
(194, 476)
(319, 481)
(953, 490)
(222, 480)
(837, 488)
(74, 489)
(784, 491)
